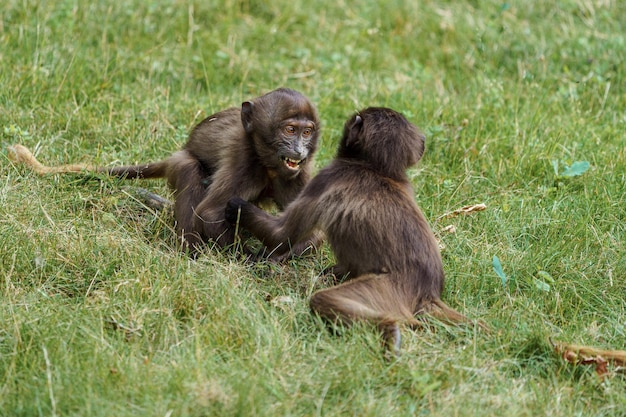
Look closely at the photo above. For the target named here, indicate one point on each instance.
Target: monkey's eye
(307, 132)
(289, 130)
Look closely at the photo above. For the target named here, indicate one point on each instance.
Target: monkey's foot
(150, 199)
(392, 339)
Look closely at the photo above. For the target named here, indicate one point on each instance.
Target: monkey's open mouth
(292, 163)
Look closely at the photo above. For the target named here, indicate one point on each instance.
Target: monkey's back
(374, 225)
(211, 140)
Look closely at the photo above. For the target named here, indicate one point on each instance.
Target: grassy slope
(100, 316)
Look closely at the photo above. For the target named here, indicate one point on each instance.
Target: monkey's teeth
(292, 163)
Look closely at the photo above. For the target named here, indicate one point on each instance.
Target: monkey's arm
(279, 234)
(232, 179)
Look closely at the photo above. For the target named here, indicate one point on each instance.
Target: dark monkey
(262, 151)
(363, 202)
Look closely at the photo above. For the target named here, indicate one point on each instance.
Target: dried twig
(463, 210)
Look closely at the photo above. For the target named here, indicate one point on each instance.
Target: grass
(100, 316)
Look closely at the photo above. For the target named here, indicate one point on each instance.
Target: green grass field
(101, 316)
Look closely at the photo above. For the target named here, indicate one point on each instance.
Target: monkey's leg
(339, 271)
(209, 221)
(370, 298)
(441, 311)
(185, 176)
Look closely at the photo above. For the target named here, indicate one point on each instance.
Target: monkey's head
(384, 139)
(284, 128)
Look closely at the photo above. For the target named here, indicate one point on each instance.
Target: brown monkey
(363, 202)
(262, 151)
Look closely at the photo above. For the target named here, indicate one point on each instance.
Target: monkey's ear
(246, 115)
(355, 130)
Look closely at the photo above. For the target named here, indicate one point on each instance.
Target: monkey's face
(288, 146)
(284, 127)
(295, 142)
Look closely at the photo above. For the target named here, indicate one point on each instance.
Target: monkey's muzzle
(292, 163)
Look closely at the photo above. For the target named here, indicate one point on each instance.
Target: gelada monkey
(262, 151)
(363, 202)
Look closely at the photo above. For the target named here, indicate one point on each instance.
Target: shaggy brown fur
(363, 202)
(262, 151)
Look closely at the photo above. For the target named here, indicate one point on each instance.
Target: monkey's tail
(21, 154)
(145, 171)
(441, 311)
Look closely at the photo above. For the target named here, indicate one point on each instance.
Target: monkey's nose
(299, 155)
(300, 151)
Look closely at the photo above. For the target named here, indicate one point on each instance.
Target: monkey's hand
(233, 209)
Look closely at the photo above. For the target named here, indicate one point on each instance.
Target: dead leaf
(587, 355)
(601, 369)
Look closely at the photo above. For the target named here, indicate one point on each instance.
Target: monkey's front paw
(233, 208)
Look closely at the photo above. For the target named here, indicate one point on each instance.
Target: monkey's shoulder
(221, 126)
(341, 168)
(362, 177)
(330, 177)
